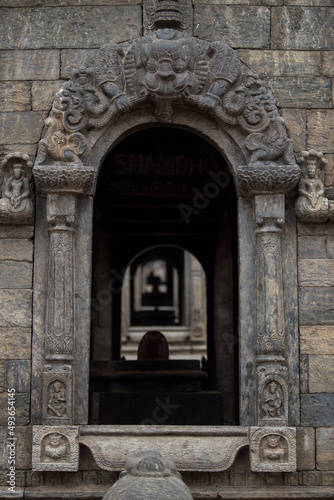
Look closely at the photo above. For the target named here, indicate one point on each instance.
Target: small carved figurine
(272, 400)
(273, 450)
(312, 205)
(149, 477)
(57, 400)
(16, 206)
(56, 449)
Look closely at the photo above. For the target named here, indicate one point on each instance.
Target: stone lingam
(154, 389)
(149, 477)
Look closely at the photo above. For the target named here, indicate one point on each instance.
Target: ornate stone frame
(219, 99)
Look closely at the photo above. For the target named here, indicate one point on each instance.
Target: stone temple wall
(290, 43)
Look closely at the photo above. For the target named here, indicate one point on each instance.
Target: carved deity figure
(312, 203)
(56, 449)
(16, 205)
(57, 399)
(272, 400)
(273, 451)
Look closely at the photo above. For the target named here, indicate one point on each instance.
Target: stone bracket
(192, 448)
(272, 449)
(55, 448)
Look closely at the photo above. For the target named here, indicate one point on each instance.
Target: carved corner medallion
(272, 449)
(55, 448)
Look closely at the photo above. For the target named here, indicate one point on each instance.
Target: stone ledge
(228, 493)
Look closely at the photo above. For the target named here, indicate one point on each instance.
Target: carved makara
(16, 203)
(166, 68)
(312, 204)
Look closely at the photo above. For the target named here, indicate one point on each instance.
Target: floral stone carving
(16, 205)
(149, 476)
(272, 449)
(55, 448)
(312, 205)
(166, 69)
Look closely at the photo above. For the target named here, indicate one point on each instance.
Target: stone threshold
(227, 493)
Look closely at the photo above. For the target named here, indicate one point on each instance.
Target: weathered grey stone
(2, 375)
(325, 449)
(15, 308)
(317, 339)
(29, 64)
(43, 94)
(321, 130)
(16, 128)
(55, 448)
(149, 475)
(271, 63)
(15, 96)
(239, 26)
(305, 448)
(293, 28)
(330, 247)
(321, 373)
(66, 27)
(16, 250)
(15, 343)
(75, 58)
(15, 275)
(317, 410)
(22, 409)
(303, 373)
(310, 3)
(18, 375)
(295, 120)
(312, 247)
(22, 447)
(304, 92)
(315, 229)
(316, 306)
(28, 149)
(65, 3)
(329, 176)
(328, 63)
(316, 272)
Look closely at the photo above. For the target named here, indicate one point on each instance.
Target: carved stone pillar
(272, 393)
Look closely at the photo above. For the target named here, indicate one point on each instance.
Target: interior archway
(167, 187)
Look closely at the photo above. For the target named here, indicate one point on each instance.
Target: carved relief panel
(55, 448)
(272, 449)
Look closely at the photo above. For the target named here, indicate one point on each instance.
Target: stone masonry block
(317, 339)
(328, 63)
(321, 130)
(18, 375)
(15, 343)
(16, 250)
(293, 28)
(310, 3)
(305, 448)
(15, 308)
(43, 94)
(15, 275)
(29, 64)
(72, 59)
(238, 26)
(321, 373)
(22, 409)
(295, 120)
(23, 447)
(282, 62)
(69, 27)
(312, 247)
(316, 306)
(20, 128)
(301, 92)
(15, 96)
(325, 448)
(316, 272)
(330, 247)
(66, 3)
(317, 410)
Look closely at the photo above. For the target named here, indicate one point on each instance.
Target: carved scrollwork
(166, 68)
(312, 204)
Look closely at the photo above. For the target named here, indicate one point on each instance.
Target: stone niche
(167, 78)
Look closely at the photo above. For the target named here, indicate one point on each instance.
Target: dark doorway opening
(166, 188)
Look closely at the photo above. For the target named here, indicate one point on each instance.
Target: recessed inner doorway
(165, 254)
